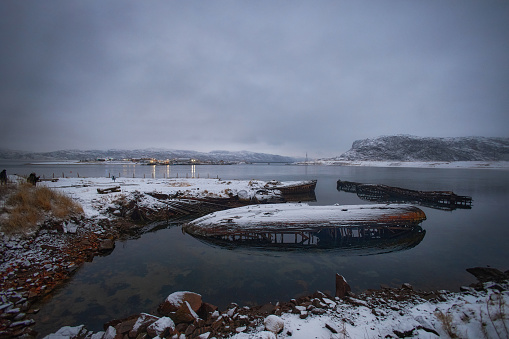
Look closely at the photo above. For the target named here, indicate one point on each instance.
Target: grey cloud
(284, 77)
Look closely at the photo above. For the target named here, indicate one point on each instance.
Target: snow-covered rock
(110, 333)
(274, 324)
(68, 332)
(177, 299)
(161, 327)
(141, 324)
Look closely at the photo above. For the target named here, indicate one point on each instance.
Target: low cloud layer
(285, 77)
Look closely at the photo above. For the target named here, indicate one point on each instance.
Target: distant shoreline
(414, 164)
(349, 163)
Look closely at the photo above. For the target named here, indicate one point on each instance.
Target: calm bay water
(140, 273)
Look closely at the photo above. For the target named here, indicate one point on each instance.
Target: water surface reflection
(347, 240)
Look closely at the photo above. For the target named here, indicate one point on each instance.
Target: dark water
(140, 273)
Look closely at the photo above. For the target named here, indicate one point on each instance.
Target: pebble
(24, 323)
(5, 306)
(20, 316)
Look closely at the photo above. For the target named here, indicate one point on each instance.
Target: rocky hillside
(412, 148)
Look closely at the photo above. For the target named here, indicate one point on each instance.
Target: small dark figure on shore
(33, 179)
(113, 178)
(3, 177)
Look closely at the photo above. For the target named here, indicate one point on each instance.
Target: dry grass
(28, 206)
(446, 320)
(495, 306)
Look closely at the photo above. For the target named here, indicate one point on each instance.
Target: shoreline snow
(84, 190)
(414, 164)
(464, 315)
(384, 313)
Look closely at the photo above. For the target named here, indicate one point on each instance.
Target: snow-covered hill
(156, 153)
(412, 148)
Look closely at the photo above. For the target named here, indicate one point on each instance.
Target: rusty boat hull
(351, 229)
(299, 216)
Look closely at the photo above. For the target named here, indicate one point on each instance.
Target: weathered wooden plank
(108, 190)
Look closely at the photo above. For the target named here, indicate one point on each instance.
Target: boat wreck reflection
(443, 200)
(359, 229)
(350, 240)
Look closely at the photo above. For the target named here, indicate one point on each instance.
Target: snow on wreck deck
(301, 216)
(95, 205)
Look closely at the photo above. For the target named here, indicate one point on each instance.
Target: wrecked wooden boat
(297, 188)
(303, 217)
(180, 204)
(366, 228)
(290, 192)
(445, 200)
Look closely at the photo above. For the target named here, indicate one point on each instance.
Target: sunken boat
(360, 229)
(294, 188)
(444, 200)
(294, 192)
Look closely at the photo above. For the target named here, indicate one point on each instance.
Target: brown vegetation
(447, 323)
(27, 206)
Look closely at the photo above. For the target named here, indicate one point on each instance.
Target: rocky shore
(478, 311)
(33, 266)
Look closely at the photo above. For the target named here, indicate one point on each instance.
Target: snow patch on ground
(84, 190)
(473, 315)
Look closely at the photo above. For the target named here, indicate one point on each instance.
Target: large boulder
(274, 324)
(486, 274)
(177, 299)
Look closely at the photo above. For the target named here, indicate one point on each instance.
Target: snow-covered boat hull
(298, 216)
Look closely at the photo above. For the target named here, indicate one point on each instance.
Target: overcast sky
(281, 77)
